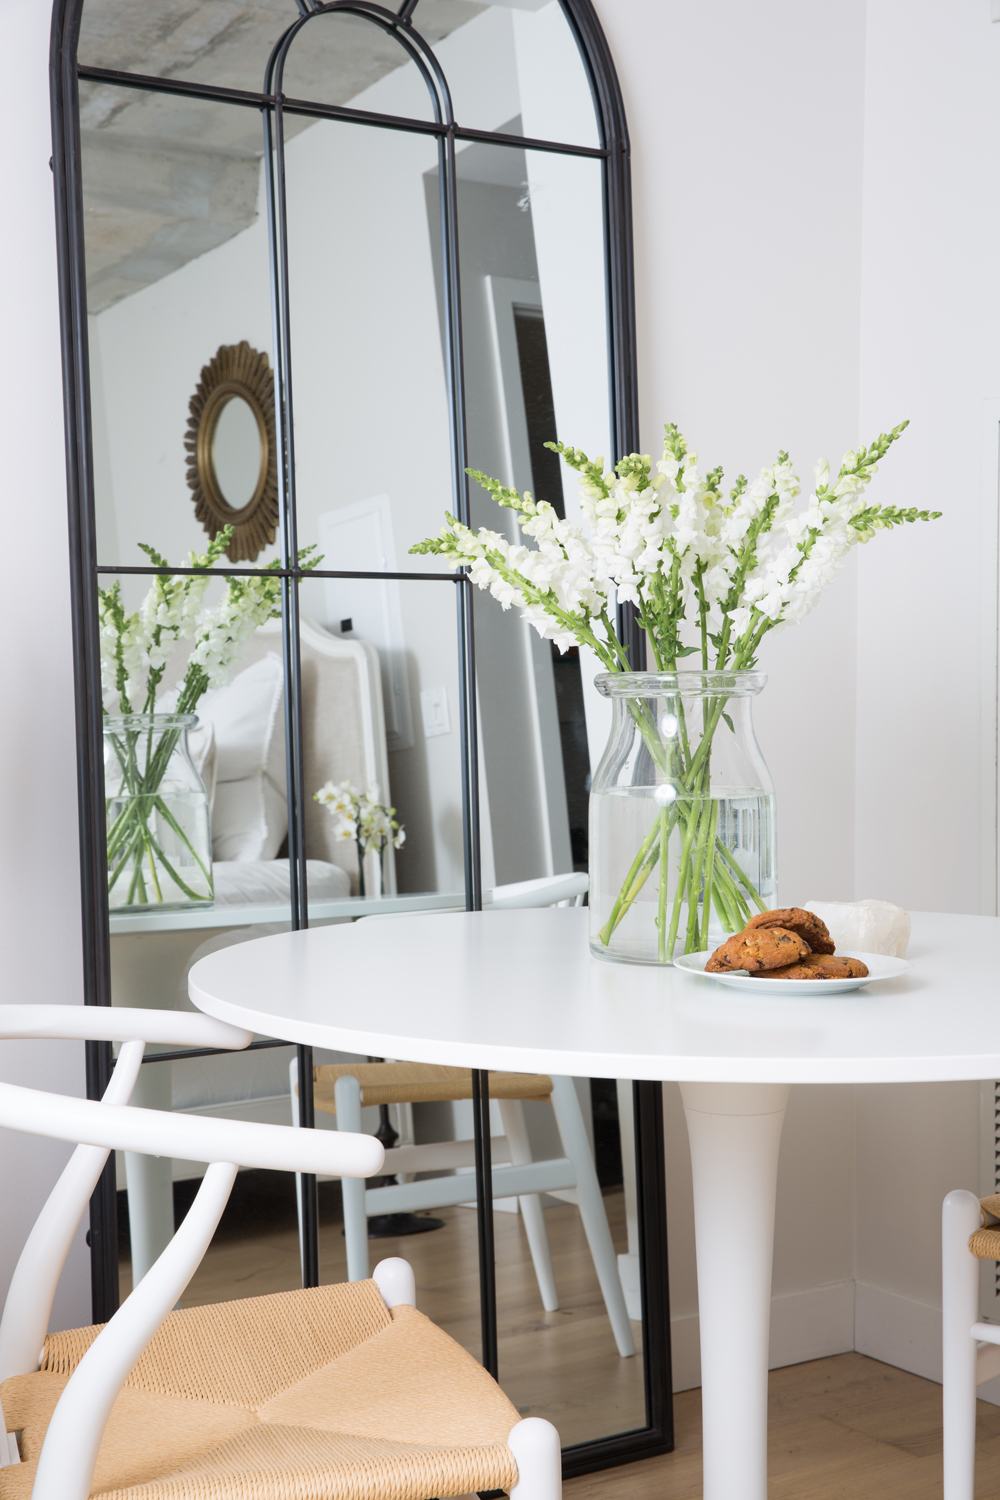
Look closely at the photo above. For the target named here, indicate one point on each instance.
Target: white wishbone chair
(333, 1391)
(970, 1232)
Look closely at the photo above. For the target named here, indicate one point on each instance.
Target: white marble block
(865, 926)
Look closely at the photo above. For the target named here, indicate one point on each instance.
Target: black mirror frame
(657, 1436)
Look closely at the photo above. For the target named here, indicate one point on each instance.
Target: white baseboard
(898, 1330)
(906, 1333)
(804, 1325)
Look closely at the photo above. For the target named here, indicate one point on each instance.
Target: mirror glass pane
(533, 277)
(517, 68)
(177, 268)
(236, 452)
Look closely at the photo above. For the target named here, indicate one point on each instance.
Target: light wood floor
(844, 1428)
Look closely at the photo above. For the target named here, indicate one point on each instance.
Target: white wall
(39, 868)
(930, 352)
(930, 323)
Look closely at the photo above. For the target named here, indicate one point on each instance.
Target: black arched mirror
(408, 235)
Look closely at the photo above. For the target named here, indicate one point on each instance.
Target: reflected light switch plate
(434, 708)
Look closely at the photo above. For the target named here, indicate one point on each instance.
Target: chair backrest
(99, 1128)
(343, 727)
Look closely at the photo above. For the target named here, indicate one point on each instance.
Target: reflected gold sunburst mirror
(232, 450)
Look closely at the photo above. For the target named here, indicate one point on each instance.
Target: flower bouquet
(709, 574)
(361, 817)
(158, 832)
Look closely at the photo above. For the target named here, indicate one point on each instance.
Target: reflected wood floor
(844, 1428)
(562, 1365)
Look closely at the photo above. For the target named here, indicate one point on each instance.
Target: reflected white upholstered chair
(335, 1392)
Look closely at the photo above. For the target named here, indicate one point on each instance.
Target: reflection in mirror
(231, 42)
(521, 64)
(177, 275)
(177, 262)
(236, 452)
(532, 269)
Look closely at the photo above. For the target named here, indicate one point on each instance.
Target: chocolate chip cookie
(759, 951)
(821, 966)
(810, 928)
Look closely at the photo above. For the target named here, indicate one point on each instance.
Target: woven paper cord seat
(421, 1083)
(309, 1395)
(985, 1243)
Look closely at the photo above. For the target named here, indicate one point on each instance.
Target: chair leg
(293, 1089)
(347, 1092)
(514, 1128)
(960, 1218)
(535, 1446)
(595, 1222)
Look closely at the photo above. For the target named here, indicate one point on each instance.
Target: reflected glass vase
(682, 829)
(158, 831)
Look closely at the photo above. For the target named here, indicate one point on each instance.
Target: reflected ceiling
(168, 178)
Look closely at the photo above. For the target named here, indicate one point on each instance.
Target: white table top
(519, 990)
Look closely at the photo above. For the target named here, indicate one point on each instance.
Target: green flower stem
(741, 876)
(152, 870)
(165, 812)
(706, 908)
(632, 884)
(685, 869)
(697, 872)
(130, 837)
(661, 920)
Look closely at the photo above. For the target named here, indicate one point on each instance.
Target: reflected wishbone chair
(278, 1394)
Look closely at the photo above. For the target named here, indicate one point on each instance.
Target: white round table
(518, 990)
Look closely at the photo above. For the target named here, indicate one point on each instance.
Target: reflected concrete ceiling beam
(150, 211)
(167, 178)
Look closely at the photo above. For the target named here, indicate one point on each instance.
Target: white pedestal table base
(735, 1133)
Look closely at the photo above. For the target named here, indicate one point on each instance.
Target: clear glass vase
(159, 832)
(682, 831)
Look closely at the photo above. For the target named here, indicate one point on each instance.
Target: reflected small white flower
(665, 793)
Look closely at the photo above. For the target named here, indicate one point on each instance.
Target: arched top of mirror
(489, 55)
(513, 67)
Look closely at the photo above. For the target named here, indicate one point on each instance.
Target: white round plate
(880, 966)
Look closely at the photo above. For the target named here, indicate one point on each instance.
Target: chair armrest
(120, 1023)
(154, 1132)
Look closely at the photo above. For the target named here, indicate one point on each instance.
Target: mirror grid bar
(150, 83)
